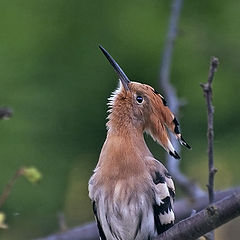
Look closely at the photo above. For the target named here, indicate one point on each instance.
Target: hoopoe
(132, 193)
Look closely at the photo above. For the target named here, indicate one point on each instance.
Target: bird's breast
(125, 211)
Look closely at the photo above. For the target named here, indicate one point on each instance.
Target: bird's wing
(101, 233)
(164, 195)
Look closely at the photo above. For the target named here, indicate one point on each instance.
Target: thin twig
(188, 186)
(9, 186)
(207, 90)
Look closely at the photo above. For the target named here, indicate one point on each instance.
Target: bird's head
(139, 106)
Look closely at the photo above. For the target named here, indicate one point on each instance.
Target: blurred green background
(57, 81)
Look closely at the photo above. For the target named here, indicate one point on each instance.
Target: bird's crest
(136, 106)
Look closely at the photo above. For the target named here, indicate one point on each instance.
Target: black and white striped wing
(164, 196)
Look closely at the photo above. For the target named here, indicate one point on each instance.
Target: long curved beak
(122, 76)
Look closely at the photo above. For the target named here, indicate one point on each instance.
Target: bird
(132, 193)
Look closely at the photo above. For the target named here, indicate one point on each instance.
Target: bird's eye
(139, 99)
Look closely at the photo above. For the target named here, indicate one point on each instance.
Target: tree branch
(204, 221)
(183, 209)
(188, 186)
(86, 232)
(9, 186)
(207, 90)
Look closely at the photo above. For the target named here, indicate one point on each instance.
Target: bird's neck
(125, 133)
(123, 152)
(128, 139)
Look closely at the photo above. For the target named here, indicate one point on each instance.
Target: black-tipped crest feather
(184, 143)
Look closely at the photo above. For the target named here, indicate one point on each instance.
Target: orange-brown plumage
(132, 192)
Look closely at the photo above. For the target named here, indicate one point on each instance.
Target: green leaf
(32, 174)
(2, 221)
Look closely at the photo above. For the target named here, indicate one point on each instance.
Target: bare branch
(207, 90)
(5, 112)
(168, 49)
(86, 232)
(188, 186)
(204, 221)
(183, 209)
(9, 186)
